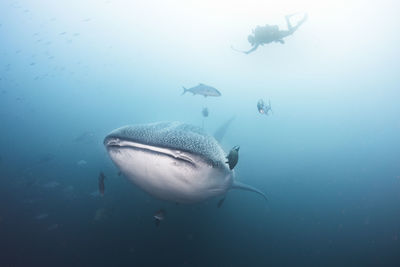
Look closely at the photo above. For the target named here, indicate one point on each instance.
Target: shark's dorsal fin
(221, 131)
(239, 185)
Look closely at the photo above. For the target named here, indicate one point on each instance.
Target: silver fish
(202, 89)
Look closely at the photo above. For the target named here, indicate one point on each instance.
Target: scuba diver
(271, 33)
(262, 108)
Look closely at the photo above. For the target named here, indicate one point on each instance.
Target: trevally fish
(202, 89)
(173, 161)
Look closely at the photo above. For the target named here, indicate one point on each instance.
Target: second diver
(263, 108)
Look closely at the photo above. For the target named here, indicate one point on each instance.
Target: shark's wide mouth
(118, 143)
(171, 138)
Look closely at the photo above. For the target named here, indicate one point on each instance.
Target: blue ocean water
(327, 158)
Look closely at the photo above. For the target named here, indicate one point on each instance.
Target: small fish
(86, 137)
(51, 184)
(30, 182)
(95, 194)
(45, 158)
(159, 216)
(202, 89)
(119, 173)
(100, 214)
(29, 201)
(205, 112)
(101, 183)
(81, 162)
(41, 216)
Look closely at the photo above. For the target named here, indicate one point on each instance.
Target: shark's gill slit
(179, 158)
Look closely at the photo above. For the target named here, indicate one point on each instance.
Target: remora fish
(202, 89)
(173, 161)
(233, 157)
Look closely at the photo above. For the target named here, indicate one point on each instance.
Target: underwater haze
(327, 156)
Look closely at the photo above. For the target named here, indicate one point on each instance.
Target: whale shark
(173, 161)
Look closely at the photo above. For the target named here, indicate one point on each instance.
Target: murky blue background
(328, 158)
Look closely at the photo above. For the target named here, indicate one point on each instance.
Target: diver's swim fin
(239, 185)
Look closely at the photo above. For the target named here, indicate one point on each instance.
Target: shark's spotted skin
(174, 135)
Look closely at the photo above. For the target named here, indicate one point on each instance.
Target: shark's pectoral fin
(239, 185)
(220, 202)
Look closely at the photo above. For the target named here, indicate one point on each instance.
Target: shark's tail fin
(184, 90)
(239, 185)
